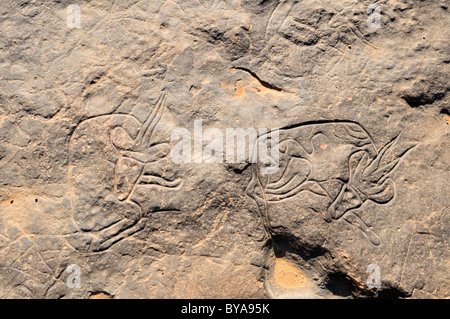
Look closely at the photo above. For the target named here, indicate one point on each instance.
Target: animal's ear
(121, 139)
(254, 188)
(347, 199)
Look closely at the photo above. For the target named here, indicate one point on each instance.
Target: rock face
(352, 96)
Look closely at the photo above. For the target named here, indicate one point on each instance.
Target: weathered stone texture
(87, 178)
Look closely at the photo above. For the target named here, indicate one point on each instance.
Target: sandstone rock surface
(358, 90)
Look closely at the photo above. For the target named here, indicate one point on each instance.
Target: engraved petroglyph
(338, 164)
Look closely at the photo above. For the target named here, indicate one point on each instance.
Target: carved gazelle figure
(110, 155)
(337, 163)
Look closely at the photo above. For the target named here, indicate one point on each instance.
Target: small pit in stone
(287, 275)
(445, 115)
